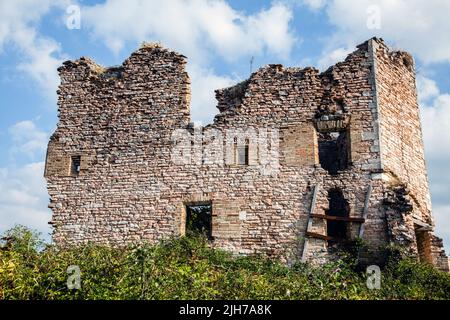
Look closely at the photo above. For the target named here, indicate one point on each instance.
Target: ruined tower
(311, 161)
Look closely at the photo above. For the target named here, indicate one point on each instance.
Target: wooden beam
(424, 229)
(318, 236)
(365, 210)
(421, 223)
(309, 221)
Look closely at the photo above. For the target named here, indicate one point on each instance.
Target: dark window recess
(199, 219)
(338, 207)
(333, 151)
(75, 165)
(242, 155)
(423, 245)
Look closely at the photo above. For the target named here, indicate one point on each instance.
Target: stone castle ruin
(297, 163)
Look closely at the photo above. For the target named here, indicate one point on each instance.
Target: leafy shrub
(186, 268)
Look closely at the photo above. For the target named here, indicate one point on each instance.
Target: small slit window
(242, 156)
(75, 165)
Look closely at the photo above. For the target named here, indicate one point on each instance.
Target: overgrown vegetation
(186, 268)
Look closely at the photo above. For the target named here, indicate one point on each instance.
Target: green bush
(186, 268)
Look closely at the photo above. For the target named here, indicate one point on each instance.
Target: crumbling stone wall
(121, 121)
(402, 152)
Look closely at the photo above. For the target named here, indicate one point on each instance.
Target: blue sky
(219, 38)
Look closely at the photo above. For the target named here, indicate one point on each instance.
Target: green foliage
(186, 268)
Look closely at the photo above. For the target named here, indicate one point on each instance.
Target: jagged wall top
(87, 68)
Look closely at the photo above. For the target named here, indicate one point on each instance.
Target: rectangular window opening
(75, 165)
(199, 219)
(338, 207)
(334, 151)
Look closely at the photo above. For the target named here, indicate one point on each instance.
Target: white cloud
(441, 216)
(23, 198)
(193, 27)
(18, 29)
(204, 82)
(435, 115)
(330, 58)
(27, 139)
(16, 15)
(435, 120)
(23, 193)
(44, 57)
(436, 129)
(313, 4)
(420, 27)
(427, 88)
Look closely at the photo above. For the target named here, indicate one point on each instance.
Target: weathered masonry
(351, 161)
